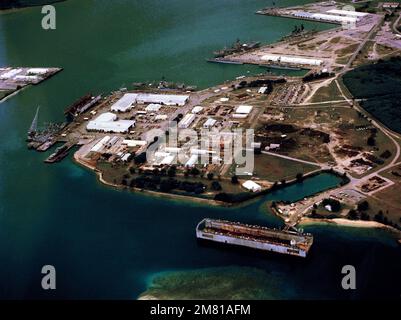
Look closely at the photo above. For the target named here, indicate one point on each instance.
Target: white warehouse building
(125, 103)
(335, 18)
(252, 186)
(348, 13)
(107, 122)
(186, 121)
(209, 123)
(244, 109)
(292, 59)
(164, 99)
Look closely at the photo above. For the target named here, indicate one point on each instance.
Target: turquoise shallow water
(106, 243)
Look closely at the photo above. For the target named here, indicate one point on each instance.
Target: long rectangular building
(186, 121)
(348, 13)
(107, 122)
(291, 59)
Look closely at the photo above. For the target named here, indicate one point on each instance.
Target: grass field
(328, 93)
(274, 168)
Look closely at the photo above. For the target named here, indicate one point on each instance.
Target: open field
(332, 133)
(274, 169)
(327, 93)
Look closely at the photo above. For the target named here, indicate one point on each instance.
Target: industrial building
(291, 59)
(161, 117)
(347, 13)
(244, 109)
(101, 144)
(125, 103)
(153, 107)
(239, 116)
(134, 143)
(128, 101)
(326, 17)
(40, 71)
(209, 123)
(107, 122)
(335, 18)
(252, 186)
(164, 99)
(197, 109)
(186, 121)
(10, 74)
(192, 160)
(26, 78)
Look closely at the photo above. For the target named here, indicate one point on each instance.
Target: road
(395, 24)
(291, 158)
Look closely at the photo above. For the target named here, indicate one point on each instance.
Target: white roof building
(273, 146)
(291, 59)
(262, 90)
(244, 109)
(10, 74)
(168, 160)
(26, 78)
(165, 99)
(209, 123)
(125, 157)
(134, 143)
(125, 103)
(38, 71)
(197, 109)
(239, 116)
(186, 121)
(192, 160)
(348, 13)
(329, 17)
(161, 117)
(101, 144)
(252, 186)
(107, 122)
(153, 107)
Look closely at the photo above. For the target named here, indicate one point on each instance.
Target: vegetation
(333, 203)
(379, 84)
(317, 76)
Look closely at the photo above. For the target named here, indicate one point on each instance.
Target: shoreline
(305, 221)
(188, 199)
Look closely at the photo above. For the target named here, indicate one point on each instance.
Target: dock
(60, 153)
(13, 79)
(224, 61)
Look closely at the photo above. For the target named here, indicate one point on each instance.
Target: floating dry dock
(257, 237)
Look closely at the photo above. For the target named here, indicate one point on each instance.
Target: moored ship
(257, 237)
